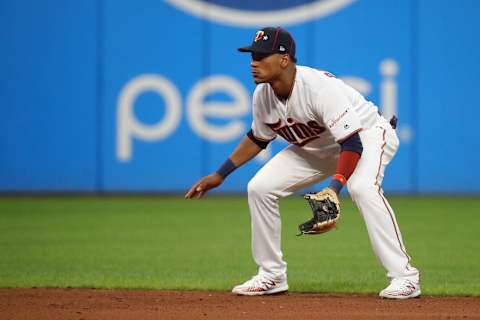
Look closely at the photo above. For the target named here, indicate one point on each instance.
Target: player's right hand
(203, 185)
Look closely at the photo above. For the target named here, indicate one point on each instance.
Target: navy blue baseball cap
(271, 40)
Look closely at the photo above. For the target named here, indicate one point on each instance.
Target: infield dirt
(159, 304)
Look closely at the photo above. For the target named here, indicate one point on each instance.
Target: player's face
(265, 67)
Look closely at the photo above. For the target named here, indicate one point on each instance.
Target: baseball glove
(326, 212)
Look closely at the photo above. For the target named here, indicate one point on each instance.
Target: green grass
(171, 243)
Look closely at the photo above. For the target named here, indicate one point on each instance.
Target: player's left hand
(326, 212)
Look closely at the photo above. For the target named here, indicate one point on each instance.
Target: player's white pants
(294, 168)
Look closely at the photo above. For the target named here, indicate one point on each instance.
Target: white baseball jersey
(321, 111)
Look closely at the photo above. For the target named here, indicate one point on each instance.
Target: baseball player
(332, 132)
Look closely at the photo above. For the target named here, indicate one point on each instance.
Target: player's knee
(360, 188)
(258, 188)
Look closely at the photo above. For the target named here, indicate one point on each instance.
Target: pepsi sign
(251, 13)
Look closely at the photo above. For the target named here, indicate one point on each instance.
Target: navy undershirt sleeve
(353, 143)
(261, 143)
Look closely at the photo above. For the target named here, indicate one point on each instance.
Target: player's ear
(285, 60)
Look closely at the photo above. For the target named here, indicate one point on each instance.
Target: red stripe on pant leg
(395, 227)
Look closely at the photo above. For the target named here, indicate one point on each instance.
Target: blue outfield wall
(149, 95)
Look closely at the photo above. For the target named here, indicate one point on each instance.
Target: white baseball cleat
(261, 285)
(401, 289)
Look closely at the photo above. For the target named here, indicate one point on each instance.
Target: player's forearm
(244, 152)
(349, 156)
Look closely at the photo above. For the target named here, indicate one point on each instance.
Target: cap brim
(246, 49)
(251, 49)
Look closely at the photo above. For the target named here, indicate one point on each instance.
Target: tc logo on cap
(259, 36)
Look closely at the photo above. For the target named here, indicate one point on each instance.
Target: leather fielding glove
(326, 212)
